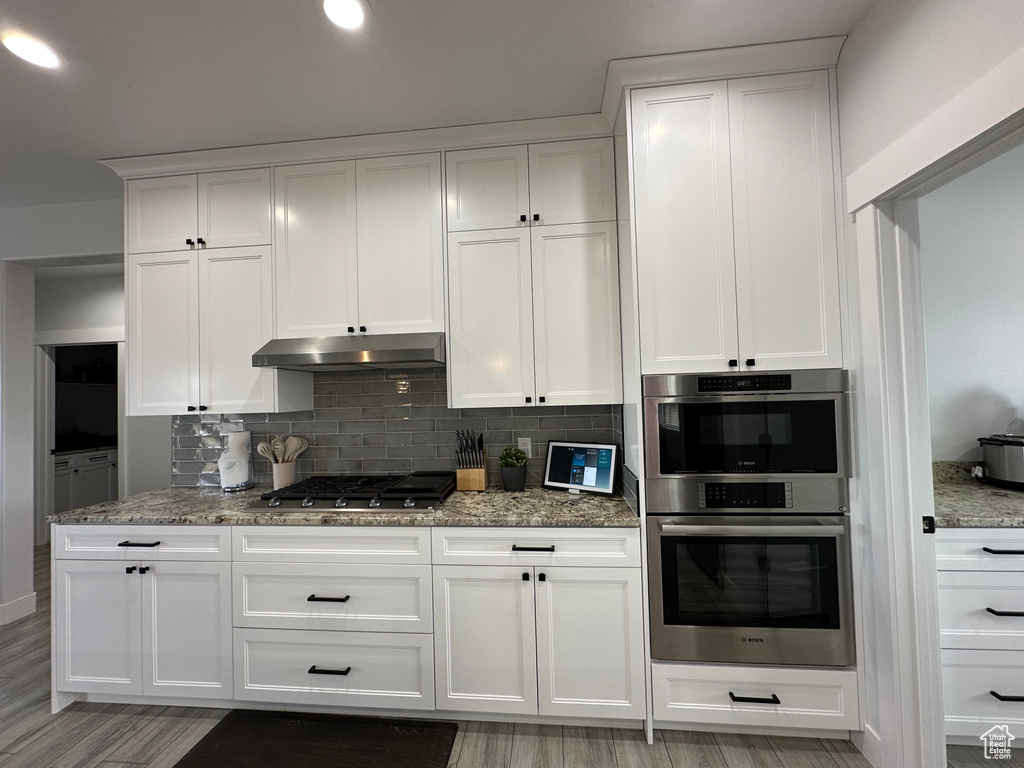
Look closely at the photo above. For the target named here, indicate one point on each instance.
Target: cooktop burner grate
(416, 490)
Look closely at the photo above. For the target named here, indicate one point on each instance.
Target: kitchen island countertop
(533, 507)
(976, 505)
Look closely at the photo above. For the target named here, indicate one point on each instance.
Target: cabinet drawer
(965, 620)
(337, 544)
(808, 698)
(619, 547)
(384, 670)
(142, 542)
(965, 549)
(377, 598)
(968, 678)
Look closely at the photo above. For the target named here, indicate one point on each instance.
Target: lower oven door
(760, 590)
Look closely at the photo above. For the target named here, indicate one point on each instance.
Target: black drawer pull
(754, 699)
(1003, 551)
(138, 544)
(144, 569)
(131, 569)
(314, 599)
(314, 671)
(517, 548)
(1006, 698)
(994, 612)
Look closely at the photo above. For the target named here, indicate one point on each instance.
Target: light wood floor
(123, 736)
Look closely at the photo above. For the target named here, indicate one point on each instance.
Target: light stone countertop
(963, 502)
(534, 507)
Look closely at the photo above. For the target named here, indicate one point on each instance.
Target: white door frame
(44, 428)
(892, 488)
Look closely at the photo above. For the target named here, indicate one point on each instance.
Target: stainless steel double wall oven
(748, 531)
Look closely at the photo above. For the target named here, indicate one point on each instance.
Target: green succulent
(512, 457)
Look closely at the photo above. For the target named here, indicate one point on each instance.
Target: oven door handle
(752, 530)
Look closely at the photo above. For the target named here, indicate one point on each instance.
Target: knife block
(472, 479)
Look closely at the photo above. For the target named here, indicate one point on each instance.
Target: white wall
(75, 310)
(17, 391)
(69, 229)
(972, 268)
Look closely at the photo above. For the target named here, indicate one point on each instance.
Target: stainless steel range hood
(351, 353)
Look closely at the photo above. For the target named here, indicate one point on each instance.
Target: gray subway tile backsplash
(394, 421)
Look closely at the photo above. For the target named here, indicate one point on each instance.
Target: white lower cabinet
(151, 628)
(534, 638)
(783, 697)
(361, 669)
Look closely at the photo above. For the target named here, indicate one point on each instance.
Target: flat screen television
(579, 467)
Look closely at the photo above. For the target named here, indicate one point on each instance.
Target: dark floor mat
(253, 739)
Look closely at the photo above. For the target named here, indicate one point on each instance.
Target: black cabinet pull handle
(536, 217)
(994, 612)
(191, 407)
(131, 569)
(542, 577)
(522, 217)
(529, 399)
(202, 407)
(200, 241)
(362, 329)
(1006, 698)
(1003, 551)
(733, 362)
(754, 699)
(189, 241)
(139, 544)
(143, 569)
(540, 399)
(526, 576)
(314, 671)
(351, 329)
(517, 548)
(314, 599)
(750, 362)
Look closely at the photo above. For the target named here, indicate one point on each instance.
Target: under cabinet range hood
(352, 353)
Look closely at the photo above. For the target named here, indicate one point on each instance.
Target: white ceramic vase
(235, 462)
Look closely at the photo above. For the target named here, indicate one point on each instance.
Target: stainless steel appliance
(747, 532)
(1004, 460)
(354, 352)
(413, 492)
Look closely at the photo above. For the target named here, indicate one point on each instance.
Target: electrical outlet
(524, 445)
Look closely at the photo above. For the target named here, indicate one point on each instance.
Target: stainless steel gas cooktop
(413, 492)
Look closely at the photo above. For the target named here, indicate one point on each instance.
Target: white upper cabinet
(359, 247)
(487, 188)
(209, 210)
(315, 234)
(401, 244)
(575, 315)
(686, 274)
(737, 258)
(572, 181)
(561, 182)
(787, 269)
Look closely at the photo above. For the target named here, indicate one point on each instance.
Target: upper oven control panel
(767, 382)
(745, 495)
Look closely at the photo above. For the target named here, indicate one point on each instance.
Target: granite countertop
(963, 502)
(534, 507)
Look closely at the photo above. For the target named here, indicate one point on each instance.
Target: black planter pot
(513, 478)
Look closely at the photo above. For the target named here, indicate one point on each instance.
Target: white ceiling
(145, 77)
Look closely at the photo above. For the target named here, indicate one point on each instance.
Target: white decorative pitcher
(236, 461)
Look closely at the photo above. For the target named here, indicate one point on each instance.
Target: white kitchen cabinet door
(236, 319)
(234, 208)
(401, 244)
(161, 214)
(63, 475)
(91, 485)
(97, 627)
(572, 181)
(490, 319)
(590, 659)
(163, 333)
(576, 315)
(186, 630)
(787, 270)
(487, 188)
(485, 654)
(683, 224)
(316, 289)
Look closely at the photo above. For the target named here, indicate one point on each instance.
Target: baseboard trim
(18, 609)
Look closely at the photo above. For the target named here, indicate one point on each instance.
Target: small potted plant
(513, 468)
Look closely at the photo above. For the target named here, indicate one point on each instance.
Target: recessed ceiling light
(348, 14)
(32, 50)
